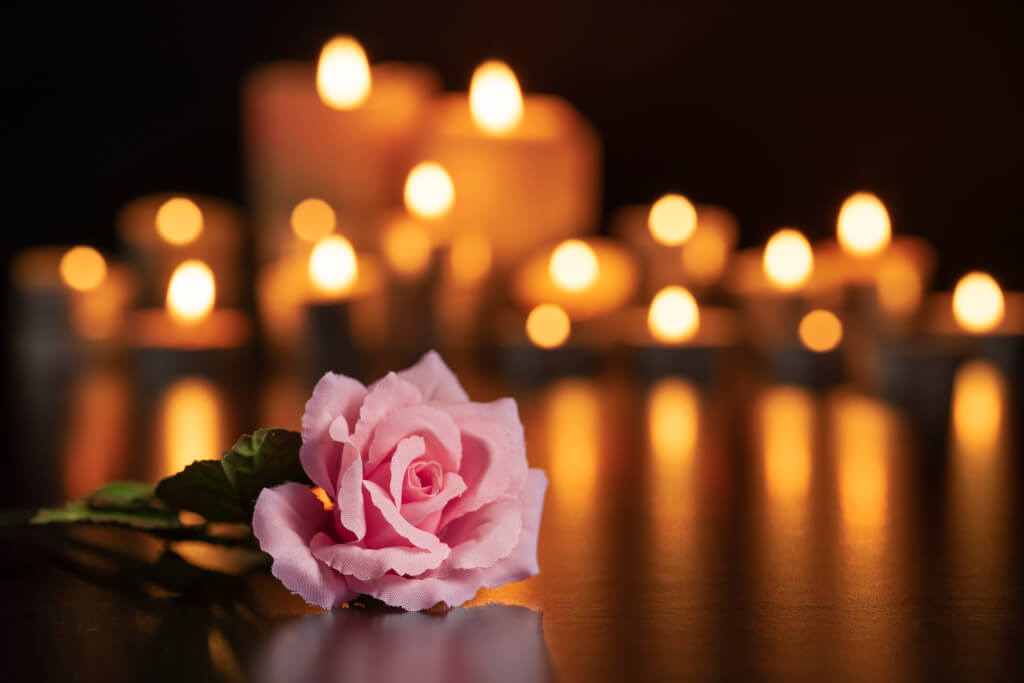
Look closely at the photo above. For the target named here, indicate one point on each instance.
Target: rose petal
(418, 510)
(392, 522)
(285, 520)
(493, 453)
(334, 396)
(521, 563)
(352, 559)
(350, 508)
(487, 535)
(434, 379)
(385, 396)
(444, 444)
(407, 450)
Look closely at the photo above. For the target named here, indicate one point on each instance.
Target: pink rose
(432, 496)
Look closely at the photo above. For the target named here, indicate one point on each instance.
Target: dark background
(776, 110)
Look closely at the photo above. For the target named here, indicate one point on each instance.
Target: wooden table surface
(738, 530)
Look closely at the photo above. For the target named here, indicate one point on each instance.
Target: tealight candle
(341, 131)
(545, 343)
(526, 170)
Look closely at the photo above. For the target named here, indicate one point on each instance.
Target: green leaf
(225, 490)
(125, 495)
(80, 511)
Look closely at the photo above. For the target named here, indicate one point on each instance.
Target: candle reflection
(673, 419)
(191, 425)
(97, 431)
(979, 393)
(786, 416)
(573, 433)
(862, 444)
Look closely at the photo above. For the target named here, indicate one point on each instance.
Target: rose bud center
(424, 478)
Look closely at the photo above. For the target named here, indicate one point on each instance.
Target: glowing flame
(788, 259)
(673, 315)
(429, 191)
(863, 227)
(192, 292)
(313, 219)
(672, 220)
(787, 433)
(820, 331)
(83, 268)
(978, 302)
(332, 265)
(495, 100)
(179, 221)
(470, 259)
(191, 415)
(547, 326)
(343, 74)
(573, 265)
(407, 248)
(978, 396)
(899, 287)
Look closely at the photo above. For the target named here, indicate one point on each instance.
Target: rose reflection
(480, 644)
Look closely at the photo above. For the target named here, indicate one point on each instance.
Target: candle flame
(407, 248)
(820, 331)
(788, 259)
(312, 219)
(548, 326)
(470, 259)
(343, 74)
(673, 316)
(429, 191)
(573, 265)
(192, 292)
(978, 304)
(179, 221)
(83, 268)
(672, 220)
(495, 100)
(332, 265)
(863, 227)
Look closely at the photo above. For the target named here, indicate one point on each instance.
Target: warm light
(673, 315)
(672, 220)
(494, 98)
(407, 248)
(672, 424)
(429, 192)
(343, 74)
(705, 254)
(192, 292)
(787, 433)
(573, 265)
(179, 221)
(979, 392)
(862, 449)
(313, 219)
(863, 227)
(820, 331)
(899, 287)
(190, 424)
(332, 265)
(673, 428)
(470, 256)
(83, 268)
(978, 302)
(788, 260)
(547, 326)
(573, 426)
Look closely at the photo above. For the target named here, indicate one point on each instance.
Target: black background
(777, 110)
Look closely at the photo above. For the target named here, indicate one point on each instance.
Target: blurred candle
(820, 331)
(672, 220)
(191, 417)
(673, 316)
(548, 326)
(788, 260)
(863, 227)
(525, 170)
(341, 131)
(978, 303)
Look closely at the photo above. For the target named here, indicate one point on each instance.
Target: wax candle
(526, 170)
(544, 343)
(340, 131)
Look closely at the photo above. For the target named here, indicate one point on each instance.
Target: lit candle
(544, 343)
(526, 170)
(341, 131)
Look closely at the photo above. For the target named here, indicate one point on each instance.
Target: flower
(431, 495)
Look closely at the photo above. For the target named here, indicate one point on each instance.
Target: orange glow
(407, 248)
(672, 422)
(83, 268)
(672, 220)
(978, 304)
(899, 287)
(332, 265)
(192, 292)
(429, 191)
(705, 254)
(673, 316)
(470, 259)
(179, 221)
(820, 331)
(862, 449)
(495, 100)
(548, 326)
(979, 394)
(787, 435)
(863, 227)
(788, 260)
(573, 424)
(313, 219)
(190, 414)
(97, 431)
(343, 74)
(573, 265)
